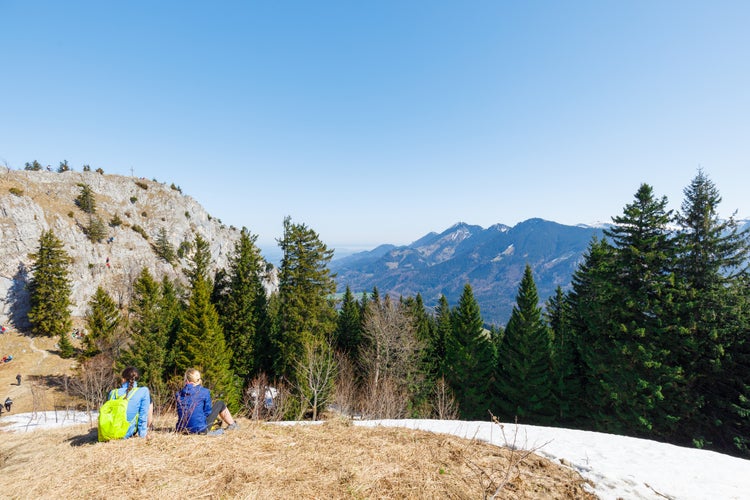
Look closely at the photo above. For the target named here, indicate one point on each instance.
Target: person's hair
(192, 375)
(130, 375)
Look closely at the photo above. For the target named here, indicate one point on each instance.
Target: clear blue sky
(377, 122)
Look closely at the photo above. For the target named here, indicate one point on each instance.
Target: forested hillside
(491, 260)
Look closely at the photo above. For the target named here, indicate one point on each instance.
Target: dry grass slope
(334, 460)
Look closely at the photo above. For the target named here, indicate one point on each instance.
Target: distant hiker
(2, 329)
(18, 378)
(195, 412)
(107, 261)
(8, 404)
(127, 411)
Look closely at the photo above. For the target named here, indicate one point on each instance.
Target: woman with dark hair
(196, 414)
(140, 409)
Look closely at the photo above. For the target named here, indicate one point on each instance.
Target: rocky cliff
(34, 201)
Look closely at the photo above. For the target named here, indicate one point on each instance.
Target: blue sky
(377, 122)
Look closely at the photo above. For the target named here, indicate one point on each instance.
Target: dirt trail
(33, 357)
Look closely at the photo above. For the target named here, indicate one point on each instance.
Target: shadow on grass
(91, 437)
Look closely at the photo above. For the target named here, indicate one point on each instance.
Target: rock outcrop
(34, 201)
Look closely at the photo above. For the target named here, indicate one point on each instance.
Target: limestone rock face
(33, 202)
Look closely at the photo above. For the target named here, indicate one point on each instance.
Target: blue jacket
(193, 407)
(140, 400)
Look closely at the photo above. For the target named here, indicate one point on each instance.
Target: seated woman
(140, 408)
(195, 412)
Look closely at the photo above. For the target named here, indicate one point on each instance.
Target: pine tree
(151, 320)
(349, 326)
(200, 340)
(711, 272)
(638, 380)
(164, 248)
(65, 346)
(306, 287)
(470, 358)
(102, 320)
(242, 304)
(86, 200)
(524, 375)
(437, 344)
(567, 376)
(49, 288)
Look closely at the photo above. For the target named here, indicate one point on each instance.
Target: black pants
(216, 408)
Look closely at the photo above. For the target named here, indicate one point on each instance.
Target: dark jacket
(193, 407)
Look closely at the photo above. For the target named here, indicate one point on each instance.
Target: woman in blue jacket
(140, 408)
(195, 412)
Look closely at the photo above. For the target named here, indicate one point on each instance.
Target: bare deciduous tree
(93, 381)
(315, 375)
(389, 359)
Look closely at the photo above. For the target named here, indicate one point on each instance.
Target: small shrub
(138, 229)
(70, 214)
(176, 188)
(16, 191)
(87, 168)
(144, 214)
(133, 199)
(115, 221)
(127, 214)
(184, 248)
(100, 171)
(187, 214)
(141, 185)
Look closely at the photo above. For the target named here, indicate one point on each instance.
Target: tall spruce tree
(642, 382)
(243, 307)
(306, 287)
(712, 272)
(349, 326)
(470, 358)
(49, 288)
(150, 321)
(567, 376)
(441, 334)
(200, 339)
(524, 375)
(102, 320)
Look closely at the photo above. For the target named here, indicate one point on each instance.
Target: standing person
(8, 404)
(18, 379)
(140, 408)
(195, 412)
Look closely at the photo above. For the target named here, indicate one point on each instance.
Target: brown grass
(334, 460)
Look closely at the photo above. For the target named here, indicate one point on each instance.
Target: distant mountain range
(492, 260)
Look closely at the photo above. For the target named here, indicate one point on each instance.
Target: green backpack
(113, 416)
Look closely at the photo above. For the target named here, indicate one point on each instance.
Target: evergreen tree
(306, 287)
(421, 382)
(470, 358)
(96, 230)
(102, 319)
(243, 307)
(524, 376)
(49, 288)
(349, 326)
(712, 272)
(442, 333)
(164, 248)
(151, 318)
(567, 373)
(86, 200)
(638, 384)
(200, 339)
(65, 346)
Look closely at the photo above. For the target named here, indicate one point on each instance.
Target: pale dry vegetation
(328, 461)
